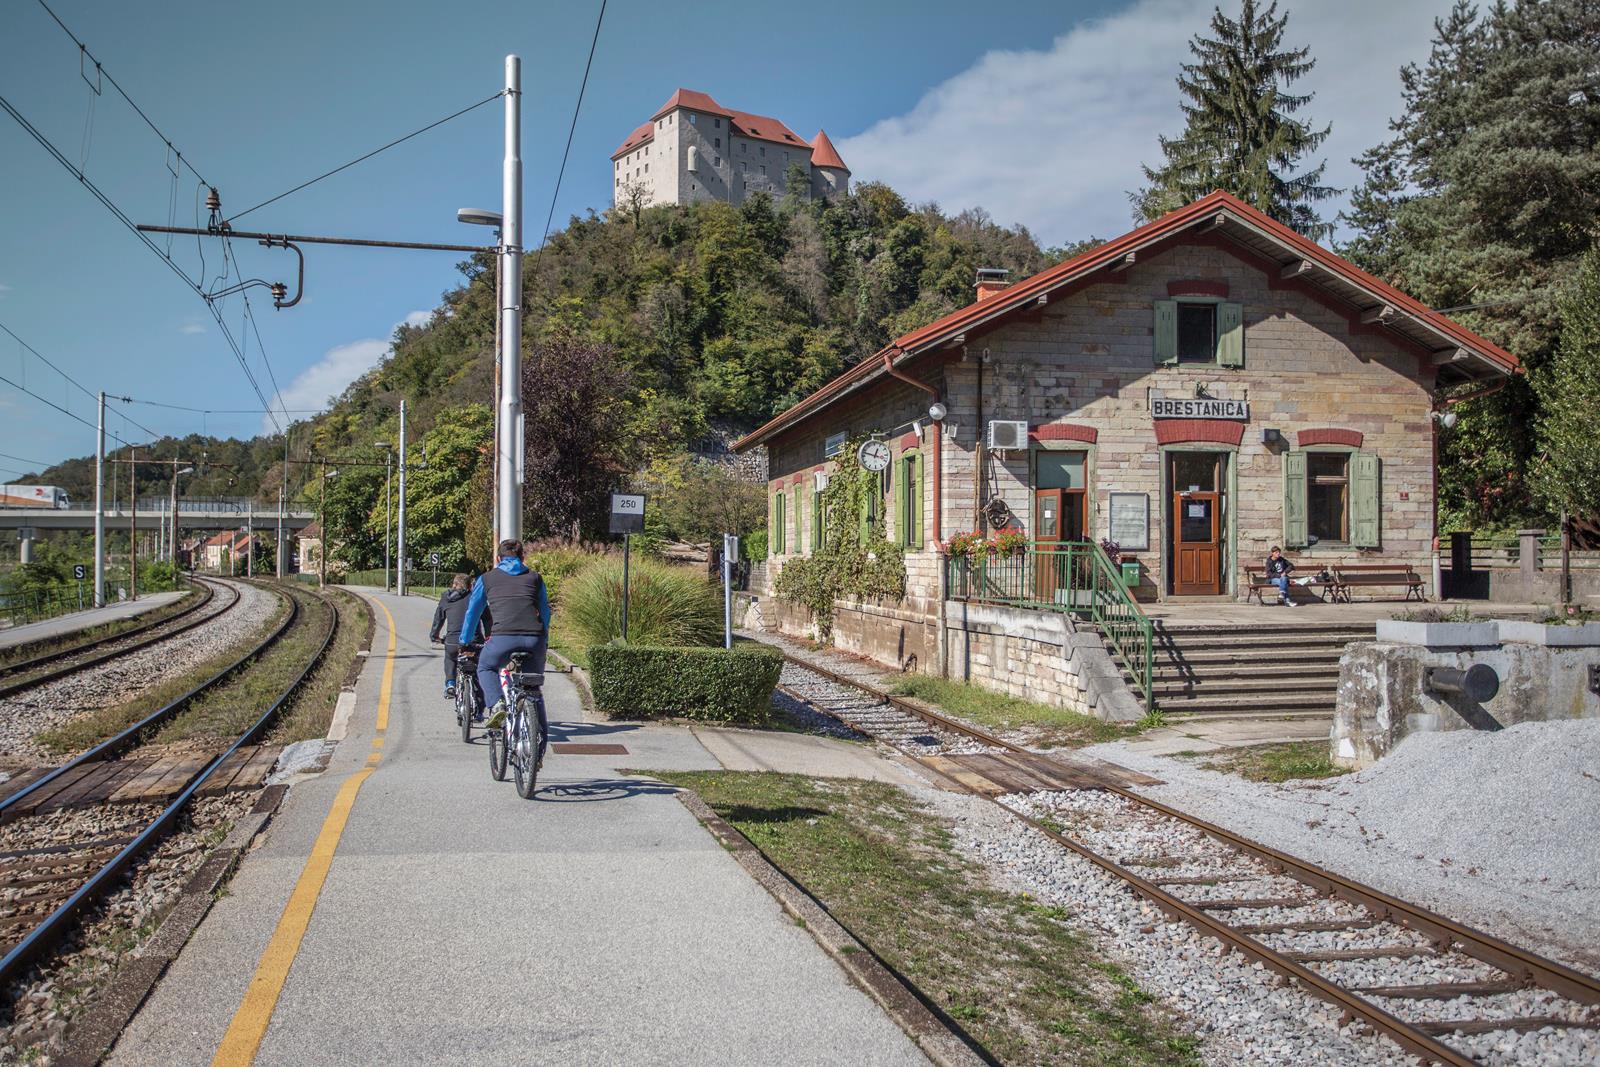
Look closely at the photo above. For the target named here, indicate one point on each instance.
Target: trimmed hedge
(715, 684)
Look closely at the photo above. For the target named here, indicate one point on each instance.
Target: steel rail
(58, 922)
(21, 684)
(1526, 967)
(113, 745)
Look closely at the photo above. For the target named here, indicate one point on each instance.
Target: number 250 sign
(627, 513)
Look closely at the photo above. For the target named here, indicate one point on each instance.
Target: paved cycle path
(460, 924)
(71, 623)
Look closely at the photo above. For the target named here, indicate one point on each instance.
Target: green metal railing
(1073, 577)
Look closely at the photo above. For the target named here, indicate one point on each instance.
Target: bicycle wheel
(527, 755)
(465, 707)
(497, 751)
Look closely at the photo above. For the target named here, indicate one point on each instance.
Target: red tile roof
(824, 154)
(762, 128)
(1212, 206)
(642, 135)
(693, 101)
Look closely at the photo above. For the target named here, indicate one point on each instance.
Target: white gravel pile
(29, 713)
(1493, 829)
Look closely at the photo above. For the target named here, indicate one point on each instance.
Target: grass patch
(1018, 979)
(574, 651)
(1050, 727)
(65, 642)
(1275, 763)
(226, 711)
(89, 730)
(310, 710)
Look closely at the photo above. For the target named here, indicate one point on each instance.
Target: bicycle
(519, 742)
(469, 702)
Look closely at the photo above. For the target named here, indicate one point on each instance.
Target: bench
(1257, 584)
(1346, 576)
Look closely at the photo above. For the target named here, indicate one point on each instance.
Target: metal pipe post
(282, 547)
(626, 538)
(322, 531)
(400, 515)
(508, 489)
(100, 507)
(250, 540)
(388, 465)
(133, 525)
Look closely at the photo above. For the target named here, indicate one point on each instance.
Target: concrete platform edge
(91, 1040)
(943, 1045)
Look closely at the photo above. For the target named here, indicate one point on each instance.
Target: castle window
(763, 149)
(716, 161)
(717, 123)
(718, 141)
(763, 171)
(647, 168)
(692, 122)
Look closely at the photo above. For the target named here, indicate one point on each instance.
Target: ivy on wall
(857, 559)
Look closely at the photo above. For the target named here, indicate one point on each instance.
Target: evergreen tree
(1567, 476)
(1238, 132)
(1484, 201)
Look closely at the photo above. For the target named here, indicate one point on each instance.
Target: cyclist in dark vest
(516, 600)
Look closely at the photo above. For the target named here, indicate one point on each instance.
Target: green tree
(1482, 203)
(439, 494)
(1567, 475)
(1239, 131)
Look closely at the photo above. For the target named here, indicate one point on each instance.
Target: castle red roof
(642, 135)
(824, 154)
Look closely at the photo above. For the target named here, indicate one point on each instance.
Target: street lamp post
(174, 545)
(388, 463)
(400, 518)
(322, 522)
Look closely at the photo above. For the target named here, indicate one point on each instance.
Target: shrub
(753, 546)
(723, 685)
(666, 605)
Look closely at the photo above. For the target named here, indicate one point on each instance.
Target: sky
(1041, 117)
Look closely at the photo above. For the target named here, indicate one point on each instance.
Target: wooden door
(1197, 543)
(1060, 516)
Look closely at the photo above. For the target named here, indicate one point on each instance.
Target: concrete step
(1326, 674)
(1296, 660)
(1246, 687)
(1256, 704)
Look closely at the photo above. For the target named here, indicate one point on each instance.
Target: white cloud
(4, 289)
(325, 379)
(192, 326)
(1053, 138)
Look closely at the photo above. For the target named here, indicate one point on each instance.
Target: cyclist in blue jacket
(519, 608)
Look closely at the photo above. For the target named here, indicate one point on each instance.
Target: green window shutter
(777, 523)
(1364, 499)
(799, 530)
(1294, 500)
(1230, 335)
(914, 490)
(816, 521)
(1166, 331)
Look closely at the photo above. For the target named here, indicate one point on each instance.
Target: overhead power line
(22, 459)
(571, 128)
(367, 156)
(85, 390)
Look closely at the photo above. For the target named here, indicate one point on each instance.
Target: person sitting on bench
(1278, 569)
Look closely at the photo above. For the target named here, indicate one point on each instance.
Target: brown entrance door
(1058, 517)
(1197, 503)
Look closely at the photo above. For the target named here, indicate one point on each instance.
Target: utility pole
(133, 524)
(322, 523)
(100, 507)
(508, 487)
(282, 547)
(388, 466)
(400, 519)
(174, 517)
(250, 540)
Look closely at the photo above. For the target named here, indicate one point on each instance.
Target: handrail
(1072, 577)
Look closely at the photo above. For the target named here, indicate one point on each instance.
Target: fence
(1072, 577)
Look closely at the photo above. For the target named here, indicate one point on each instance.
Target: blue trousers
(496, 651)
(1282, 582)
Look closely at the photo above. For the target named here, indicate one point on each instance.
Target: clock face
(874, 455)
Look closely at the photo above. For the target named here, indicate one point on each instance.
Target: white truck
(34, 496)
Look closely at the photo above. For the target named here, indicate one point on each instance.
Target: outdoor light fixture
(1446, 419)
(477, 216)
(937, 411)
(1271, 437)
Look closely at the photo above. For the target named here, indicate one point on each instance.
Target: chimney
(990, 281)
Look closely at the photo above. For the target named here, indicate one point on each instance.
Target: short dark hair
(460, 581)
(510, 547)
(1273, 549)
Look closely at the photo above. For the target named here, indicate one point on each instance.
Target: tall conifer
(1239, 133)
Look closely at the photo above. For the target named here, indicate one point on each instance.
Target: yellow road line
(243, 1039)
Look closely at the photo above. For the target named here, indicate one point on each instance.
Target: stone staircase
(1284, 669)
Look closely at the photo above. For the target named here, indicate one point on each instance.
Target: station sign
(627, 513)
(1200, 408)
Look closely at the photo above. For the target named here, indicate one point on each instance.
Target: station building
(1198, 390)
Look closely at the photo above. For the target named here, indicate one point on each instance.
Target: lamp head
(937, 411)
(477, 216)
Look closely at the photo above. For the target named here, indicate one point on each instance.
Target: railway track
(38, 670)
(1441, 990)
(44, 891)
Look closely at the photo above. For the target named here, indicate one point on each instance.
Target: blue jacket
(478, 601)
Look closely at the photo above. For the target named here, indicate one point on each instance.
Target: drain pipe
(936, 430)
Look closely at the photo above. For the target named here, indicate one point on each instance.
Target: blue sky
(1038, 112)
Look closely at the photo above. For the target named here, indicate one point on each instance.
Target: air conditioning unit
(1006, 433)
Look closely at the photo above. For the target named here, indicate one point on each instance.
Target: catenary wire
(571, 128)
(367, 156)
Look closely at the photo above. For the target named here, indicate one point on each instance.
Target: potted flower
(963, 545)
(1010, 541)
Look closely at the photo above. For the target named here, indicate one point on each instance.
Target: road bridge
(213, 517)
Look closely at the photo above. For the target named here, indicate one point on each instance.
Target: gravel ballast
(1492, 829)
(29, 713)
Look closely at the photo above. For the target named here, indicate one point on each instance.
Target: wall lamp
(1271, 437)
